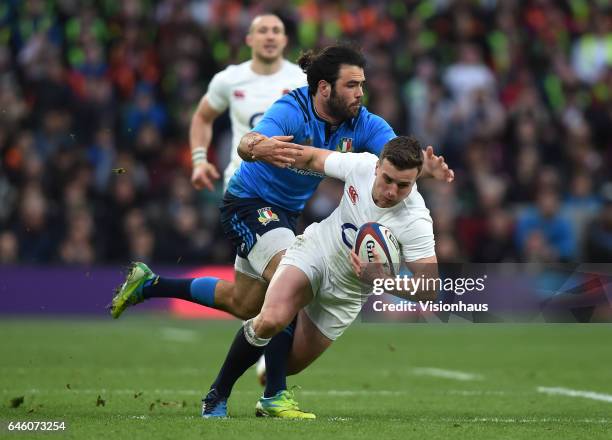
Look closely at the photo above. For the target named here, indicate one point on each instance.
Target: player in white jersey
(247, 89)
(320, 278)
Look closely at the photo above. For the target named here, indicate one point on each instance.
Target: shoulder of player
(234, 72)
(414, 224)
(368, 119)
(292, 67)
(298, 100)
(414, 210)
(363, 163)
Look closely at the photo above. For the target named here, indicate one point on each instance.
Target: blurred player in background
(320, 278)
(248, 90)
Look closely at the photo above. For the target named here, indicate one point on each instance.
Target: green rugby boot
(130, 292)
(282, 405)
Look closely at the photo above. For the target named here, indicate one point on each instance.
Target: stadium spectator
(543, 233)
(599, 232)
(538, 75)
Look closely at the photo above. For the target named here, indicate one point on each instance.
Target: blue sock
(240, 357)
(197, 290)
(277, 356)
(203, 290)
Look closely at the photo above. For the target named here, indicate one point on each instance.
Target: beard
(339, 108)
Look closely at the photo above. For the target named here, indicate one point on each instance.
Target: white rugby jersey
(248, 95)
(409, 220)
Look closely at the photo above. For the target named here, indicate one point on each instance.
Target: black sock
(162, 287)
(277, 356)
(240, 357)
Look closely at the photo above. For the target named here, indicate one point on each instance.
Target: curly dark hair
(325, 65)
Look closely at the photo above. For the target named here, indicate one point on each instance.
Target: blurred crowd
(96, 99)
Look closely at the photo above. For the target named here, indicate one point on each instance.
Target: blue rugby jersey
(294, 115)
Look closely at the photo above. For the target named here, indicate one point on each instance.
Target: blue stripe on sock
(203, 290)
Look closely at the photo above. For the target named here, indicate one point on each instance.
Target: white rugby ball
(375, 238)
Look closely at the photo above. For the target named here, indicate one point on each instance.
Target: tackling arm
(313, 158)
(276, 150)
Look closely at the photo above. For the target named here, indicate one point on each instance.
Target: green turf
(150, 372)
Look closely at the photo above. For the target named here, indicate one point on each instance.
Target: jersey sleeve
(218, 93)
(417, 241)
(340, 165)
(282, 119)
(377, 133)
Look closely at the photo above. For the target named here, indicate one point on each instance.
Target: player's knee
(268, 325)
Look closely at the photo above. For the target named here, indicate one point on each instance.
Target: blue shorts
(243, 219)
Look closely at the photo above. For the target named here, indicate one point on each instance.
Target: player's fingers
(283, 158)
(204, 182)
(291, 146)
(195, 181)
(355, 262)
(213, 173)
(429, 151)
(292, 152)
(283, 138)
(451, 176)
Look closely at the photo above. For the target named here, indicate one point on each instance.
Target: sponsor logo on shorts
(266, 216)
(352, 193)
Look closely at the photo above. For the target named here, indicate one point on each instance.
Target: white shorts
(332, 310)
(266, 247)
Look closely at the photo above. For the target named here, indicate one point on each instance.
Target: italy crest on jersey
(266, 216)
(345, 146)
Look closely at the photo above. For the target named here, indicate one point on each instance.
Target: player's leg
(287, 293)
(289, 290)
(259, 233)
(242, 298)
(308, 344)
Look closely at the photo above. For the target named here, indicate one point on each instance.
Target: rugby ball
(376, 238)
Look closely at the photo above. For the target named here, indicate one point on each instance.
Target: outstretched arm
(276, 150)
(313, 158)
(435, 166)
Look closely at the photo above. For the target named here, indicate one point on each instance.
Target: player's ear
(285, 40)
(324, 88)
(249, 40)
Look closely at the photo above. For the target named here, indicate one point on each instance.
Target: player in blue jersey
(266, 195)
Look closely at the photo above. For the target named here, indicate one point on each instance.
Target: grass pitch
(143, 377)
